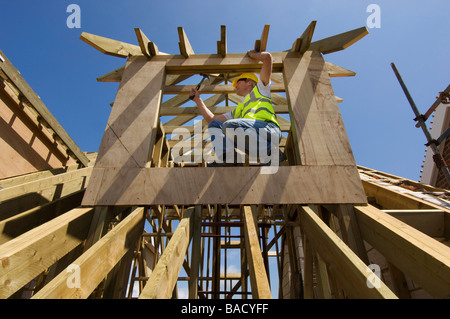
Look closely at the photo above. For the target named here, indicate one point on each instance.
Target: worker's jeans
(233, 138)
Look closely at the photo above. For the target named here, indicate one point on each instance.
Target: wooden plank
(222, 44)
(39, 185)
(302, 44)
(22, 179)
(20, 198)
(131, 127)
(180, 120)
(215, 63)
(337, 71)
(153, 49)
(15, 77)
(167, 111)
(164, 277)
(143, 42)
(429, 222)
(212, 89)
(285, 127)
(185, 47)
(28, 255)
(389, 197)
(18, 224)
(110, 46)
(258, 276)
(261, 44)
(113, 76)
(317, 126)
(348, 269)
(194, 185)
(308, 279)
(422, 258)
(350, 231)
(196, 257)
(339, 42)
(97, 261)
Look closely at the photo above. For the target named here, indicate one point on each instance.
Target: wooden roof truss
(168, 226)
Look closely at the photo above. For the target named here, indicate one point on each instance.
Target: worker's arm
(204, 111)
(266, 70)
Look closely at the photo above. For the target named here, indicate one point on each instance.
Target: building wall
(430, 174)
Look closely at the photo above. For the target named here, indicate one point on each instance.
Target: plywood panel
(226, 185)
(131, 127)
(319, 132)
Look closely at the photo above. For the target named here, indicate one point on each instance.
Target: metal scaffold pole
(433, 143)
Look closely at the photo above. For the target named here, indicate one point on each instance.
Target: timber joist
(148, 227)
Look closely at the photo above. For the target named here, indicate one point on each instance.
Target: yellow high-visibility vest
(255, 106)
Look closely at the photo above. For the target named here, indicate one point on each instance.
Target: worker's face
(243, 87)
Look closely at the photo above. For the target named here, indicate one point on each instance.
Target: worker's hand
(195, 94)
(266, 69)
(260, 56)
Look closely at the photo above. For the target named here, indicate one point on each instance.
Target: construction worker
(253, 119)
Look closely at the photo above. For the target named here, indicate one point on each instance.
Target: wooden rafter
(110, 249)
(302, 44)
(339, 42)
(410, 250)
(143, 42)
(261, 44)
(185, 47)
(47, 242)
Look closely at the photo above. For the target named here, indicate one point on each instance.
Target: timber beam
(422, 258)
(164, 277)
(108, 250)
(258, 275)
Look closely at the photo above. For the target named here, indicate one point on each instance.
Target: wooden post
(196, 253)
(317, 127)
(258, 275)
(132, 126)
(164, 277)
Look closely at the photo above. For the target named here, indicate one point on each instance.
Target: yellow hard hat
(250, 76)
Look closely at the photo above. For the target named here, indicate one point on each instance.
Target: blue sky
(414, 35)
